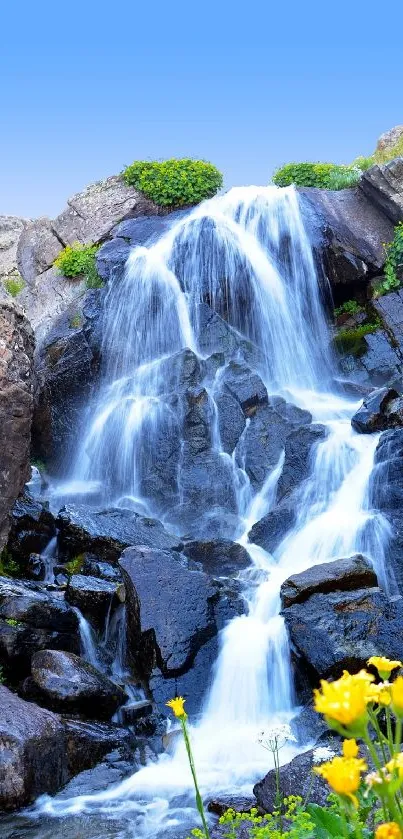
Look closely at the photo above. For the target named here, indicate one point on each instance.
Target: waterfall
(248, 255)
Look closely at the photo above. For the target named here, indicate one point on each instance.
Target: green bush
(14, 283)
(174, 183)
(394, 259)
(80, 259)
(350, 307)
(351, 340)
(75, 565)
(321, 175)
(9, 567)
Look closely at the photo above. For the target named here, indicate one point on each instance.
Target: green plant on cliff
(394, 259)
(321, 175)
(174, 183)
(350, 307)
(76, 260)
(14, 283)
(351, 340)
(75, 565)
(9, 567)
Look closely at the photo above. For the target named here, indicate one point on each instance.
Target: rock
(111, 260)
(388, 139)
(380, 410)
(217, 336)
(300, 447)
(113, 769)
(38, 248)
(31, 620)
(341, 630)
(148, 229)
(245, 386)
(36, 568)
(90, 215)
(33, 751)
(92, 567)
(239, 803)
(347, 231)
(219, 558)
(65, 682)
(107, 532)
(390, 310)
(88, 742)
(93, 597)
(296, 778)
(270, 531)
(32, 528)
(378, 364)
(173, 613)
(47, 297)
(383, 185)
(11, 228)
(16, 408)
(342, 575)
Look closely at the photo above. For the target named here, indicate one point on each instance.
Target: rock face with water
(349, 574)
(93, 597)
(382, 409)
(16, 408)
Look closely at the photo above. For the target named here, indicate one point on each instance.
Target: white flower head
(322, 753)
(276, 737)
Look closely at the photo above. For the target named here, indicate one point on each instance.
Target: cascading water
(246, 255)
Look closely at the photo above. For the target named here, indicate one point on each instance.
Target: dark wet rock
(231, 420)
(390, 310)
(383, 185)
(36, 568)
(107, 533)
(133, 712)
(88, 742)
(272, 528)
(33, 751)
(31, 620)
(146, 230)
(380, 410)
(112, 258)
(219, 558)
(93, 567)
(239, 803)
(296, 778)
(245, 386)
(349, 574)
(386, 483)
(217, 336)
(112, 770)
(173, 612)
(341, 630)
(265, 437)
(93, 597)
(32, 528)
(16, 408)
(348, 233)
(379, 362)
(65, 682)
(300, 450)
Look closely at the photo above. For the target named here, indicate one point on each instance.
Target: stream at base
(251, 685)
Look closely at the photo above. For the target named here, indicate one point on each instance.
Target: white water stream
(249, 249)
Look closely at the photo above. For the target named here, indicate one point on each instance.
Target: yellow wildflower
(379, 694)
(388, 830)
(350, 748)
(396, 692)
(177, 706)
(396, 764)
(383, 665)
(343, 775)
(344, 701)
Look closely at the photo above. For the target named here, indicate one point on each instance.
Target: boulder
(88, 742)
(342, 629)
(33, 751)
(218, 558)
(390, 310)
(349, 574)
(47, 297)
(107, 533)
(11, 228)
(378, 362)
(38, 247)
(93, 597)
(111, 259)
(300, 447)
(388, 139)
(65, 682)
(383, 186)
(296, 778)
(347, 230)
(30, 620)
(270, 531)
(380, 410)
(16, 408)
(93, 567)
(32, 528)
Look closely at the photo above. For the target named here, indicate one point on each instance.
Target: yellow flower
(343, 775)
(383, 665)
(388, 830)
(344, 701)
(396, 764)
(350, 748)
(396, 692)
(379, 694)
(177, 706)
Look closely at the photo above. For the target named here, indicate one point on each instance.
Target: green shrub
(9, 567)
(174, 183)
(14, 283)
(351, 340)
(75, 565)
(76, 321)
(321, 175)
(78, 259)
(350, 307)
(12, 622)
(394, 260)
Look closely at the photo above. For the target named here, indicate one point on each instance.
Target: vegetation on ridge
(174, 183)
(75, 260)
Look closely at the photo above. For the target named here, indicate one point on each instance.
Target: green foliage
(350, 340)
(394, 261)
(76, 321)
(9, 567)
(321, 175)
(174, 183)
(78, 259)
(350, 307)
(298, 823)
(75, 565)
(364, 163)
(2, 676)
(14, 283)
(384, 155)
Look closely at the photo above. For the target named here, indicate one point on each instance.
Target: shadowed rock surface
(342, 575)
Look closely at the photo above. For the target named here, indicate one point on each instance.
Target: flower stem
(199, 801)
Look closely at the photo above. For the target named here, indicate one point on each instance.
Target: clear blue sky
(88, 87)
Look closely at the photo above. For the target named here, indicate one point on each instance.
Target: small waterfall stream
(248, 254)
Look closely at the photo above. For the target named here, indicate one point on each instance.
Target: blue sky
(88, 87)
